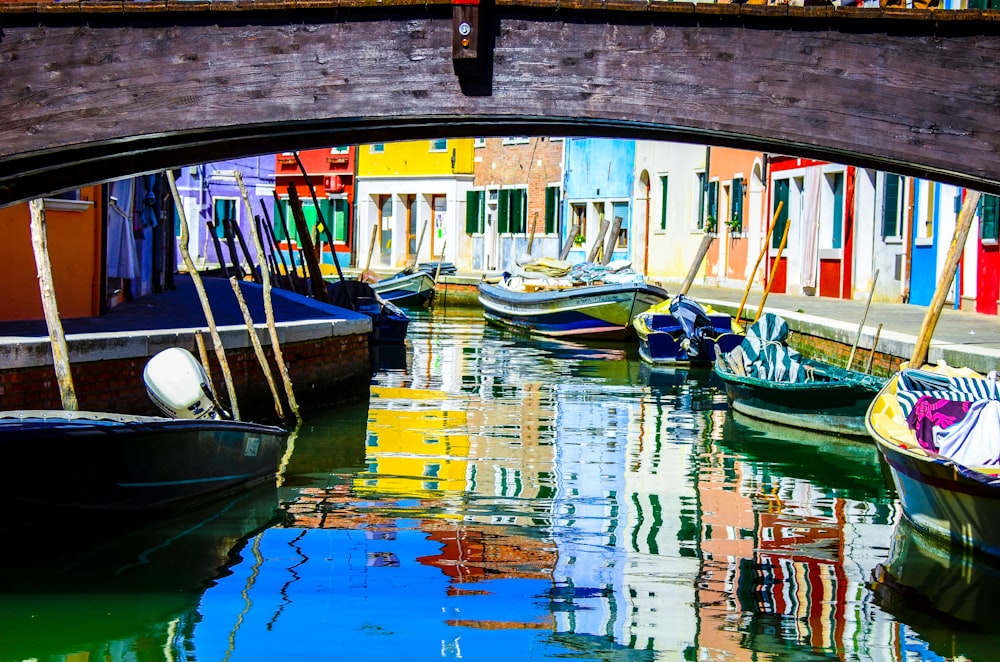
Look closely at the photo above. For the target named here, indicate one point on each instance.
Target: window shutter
(890, 206)
(519, 211)
(663, 203)
(780, 196)
(737, 205)
(838, 210)
(713, 200)
(503, 212)
(551, 203)
(472, 205)
(988, 213)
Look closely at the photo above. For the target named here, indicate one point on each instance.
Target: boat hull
(108, 462)
(832, 408)
(406, 290)
(593, 311)
(938, 495)
(662, 347)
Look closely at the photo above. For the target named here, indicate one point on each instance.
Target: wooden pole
(871, 357)
(285, 275)
(947, 276)
(756, 265)
(534, 225)
(220, 352)
(288, 237)
(570, 240)
(699, 257)
(857, 338)
(613, 233)
(199, 341)
(308, 254)
(599, 241)
(774, 270)
(46, 287)
(326, 228)
(420, 243)
(271, 328)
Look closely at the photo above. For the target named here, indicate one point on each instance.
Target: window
(475, 212)
(512, 211)
(516, 140)
(664, 185)
(926, 203)
(551, 209)
(892, 208)
(989, 214)
(377, 148)
(620, 210)
(340, 149)
(781, 196)
(479, 142)
(713, 202)
(831, 222)
(701, 190)
(223, 215)
(440, 145)
(736, 205)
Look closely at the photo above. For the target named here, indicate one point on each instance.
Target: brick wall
(837, 353)
(323, 372)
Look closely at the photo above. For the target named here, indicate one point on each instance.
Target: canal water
(505, 498)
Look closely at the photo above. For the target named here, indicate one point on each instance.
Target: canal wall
(328, 362)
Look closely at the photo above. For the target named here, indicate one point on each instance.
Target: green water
(502, 498)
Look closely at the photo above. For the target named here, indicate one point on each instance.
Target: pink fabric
(929, 413)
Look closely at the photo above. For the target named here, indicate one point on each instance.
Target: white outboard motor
(178, 385)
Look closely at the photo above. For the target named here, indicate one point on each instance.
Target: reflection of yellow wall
(415, 158)
(414, 450)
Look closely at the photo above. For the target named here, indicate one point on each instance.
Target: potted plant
(711, 224)
(579, 240)
(735, 225)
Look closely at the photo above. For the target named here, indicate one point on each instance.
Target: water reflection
(506, 498)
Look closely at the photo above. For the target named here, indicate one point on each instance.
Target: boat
(75, 590)
(407, 288)
(590, 302)
(681, 331)
(937, 430)
(108, 462)
(948, 596)
(389, 322)
(766, 379)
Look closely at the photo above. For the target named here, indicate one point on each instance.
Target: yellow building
(411, 197)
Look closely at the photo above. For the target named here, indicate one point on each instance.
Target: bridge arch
(91, 94)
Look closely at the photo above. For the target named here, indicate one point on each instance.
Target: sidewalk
(961, 338)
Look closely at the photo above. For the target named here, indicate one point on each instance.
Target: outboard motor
(176, 382)
(693, 320)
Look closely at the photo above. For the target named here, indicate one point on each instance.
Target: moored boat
(407, 288)
(766, 379)
(681, 331)
(601, 307)
(938, 431)
(100, 461)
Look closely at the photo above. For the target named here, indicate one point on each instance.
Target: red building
(332, 174)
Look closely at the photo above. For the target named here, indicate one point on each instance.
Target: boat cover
(960, 419)
(765, 354)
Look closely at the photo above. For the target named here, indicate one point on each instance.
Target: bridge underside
(91, 97)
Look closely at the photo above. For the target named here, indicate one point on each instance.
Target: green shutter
(736, 206)
(989, 205)
(473, 202)
(838, 210)
(890, 206)
(503, 212)
(340, 220)
(519, 214)
(551, 205)
(702, 191)
(713, 200)
(781, 188)
(663, 202)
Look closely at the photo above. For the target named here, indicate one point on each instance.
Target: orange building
(73, 228)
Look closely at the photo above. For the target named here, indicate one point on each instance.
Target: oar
(763, 252)
(774, 269)
(857, 338)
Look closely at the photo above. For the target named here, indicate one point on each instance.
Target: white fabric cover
(975, 440)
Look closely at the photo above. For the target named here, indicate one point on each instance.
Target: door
(385, 229)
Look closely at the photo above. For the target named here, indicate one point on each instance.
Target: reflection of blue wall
(590, 512)
(327, 594)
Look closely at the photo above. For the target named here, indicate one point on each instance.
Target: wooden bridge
(97, 89)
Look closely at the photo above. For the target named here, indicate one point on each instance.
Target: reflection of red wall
(987, 284)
